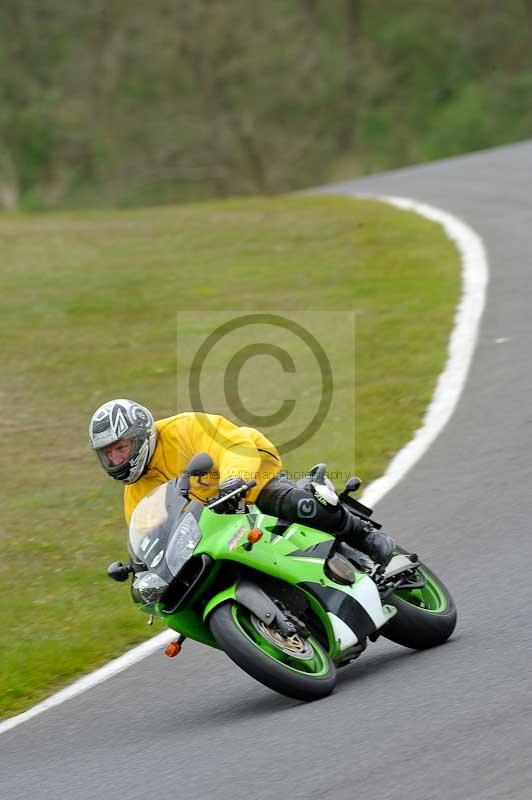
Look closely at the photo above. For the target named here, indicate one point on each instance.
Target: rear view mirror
(199, 465)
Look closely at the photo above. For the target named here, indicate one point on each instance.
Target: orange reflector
(254, 535)
(173, 649)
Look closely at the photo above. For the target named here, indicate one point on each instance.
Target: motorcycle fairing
(358, 608)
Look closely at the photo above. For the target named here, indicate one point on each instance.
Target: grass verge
(89, 305)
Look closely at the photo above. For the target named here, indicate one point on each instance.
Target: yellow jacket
(242, 452)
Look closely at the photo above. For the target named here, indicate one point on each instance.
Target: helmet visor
(116, 458)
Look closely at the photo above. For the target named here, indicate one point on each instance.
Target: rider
(144, 454)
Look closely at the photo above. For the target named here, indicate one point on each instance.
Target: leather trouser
(280, 497)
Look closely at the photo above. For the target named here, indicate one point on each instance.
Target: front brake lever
(241, 491)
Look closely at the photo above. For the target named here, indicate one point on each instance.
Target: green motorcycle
(289, 604)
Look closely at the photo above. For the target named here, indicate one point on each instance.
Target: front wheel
(425, 617)
(294, 666)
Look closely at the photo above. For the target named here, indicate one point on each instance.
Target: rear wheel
(425, 617)
(292, 665)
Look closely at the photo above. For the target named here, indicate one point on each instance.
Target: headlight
(182, 543)
(148, 588)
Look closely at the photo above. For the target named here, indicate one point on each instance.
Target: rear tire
(296, 667)
(425, 617)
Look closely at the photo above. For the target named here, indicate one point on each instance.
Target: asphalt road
(454, 722)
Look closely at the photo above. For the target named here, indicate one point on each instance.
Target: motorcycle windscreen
(155, 519)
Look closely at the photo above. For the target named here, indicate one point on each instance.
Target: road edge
(462, 342)
(449, 387)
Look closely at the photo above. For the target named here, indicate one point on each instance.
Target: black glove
(231, 504)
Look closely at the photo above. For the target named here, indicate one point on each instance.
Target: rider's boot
(281, 498)
(361, 534)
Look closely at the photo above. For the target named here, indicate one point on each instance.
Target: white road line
(93, 679)
(448, 390)
(475, 275)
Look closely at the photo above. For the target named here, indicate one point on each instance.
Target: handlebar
(241, 491)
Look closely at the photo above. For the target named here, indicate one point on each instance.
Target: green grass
(88, 312)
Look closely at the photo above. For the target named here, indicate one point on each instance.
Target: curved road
(452, 723)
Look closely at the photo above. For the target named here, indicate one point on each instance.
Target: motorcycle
(289, 604)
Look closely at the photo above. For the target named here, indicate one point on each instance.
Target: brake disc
(293, 645)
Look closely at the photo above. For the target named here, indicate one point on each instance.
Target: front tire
(425, 617)
(294, 666)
